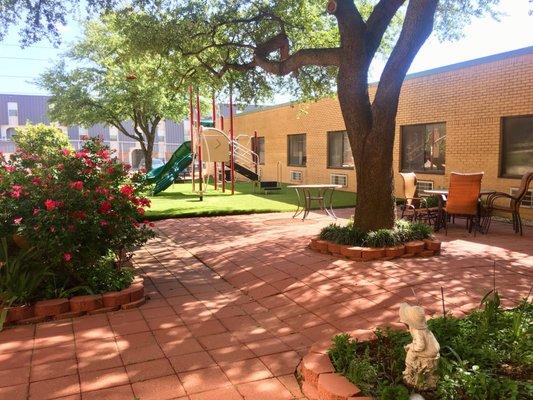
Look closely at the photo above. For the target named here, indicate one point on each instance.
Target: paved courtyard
(234, 304)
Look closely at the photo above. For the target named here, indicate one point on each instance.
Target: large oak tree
(315, 46)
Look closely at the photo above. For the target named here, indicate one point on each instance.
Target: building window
(10, 132)
(13, 113)
(296, 150)
(517, 146)
(424, 148)
(258, 147)
(161, 131)
(113, 133)
(339, 150)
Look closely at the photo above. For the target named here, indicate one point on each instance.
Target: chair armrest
(498, 195)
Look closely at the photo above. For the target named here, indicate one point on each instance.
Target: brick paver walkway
(235, 302)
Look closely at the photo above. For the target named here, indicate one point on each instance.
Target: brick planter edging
(319, 381)
(56, 309)
(417, 248)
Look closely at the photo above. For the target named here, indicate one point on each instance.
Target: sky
(483, 37)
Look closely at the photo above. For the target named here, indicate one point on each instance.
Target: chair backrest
(463, 195)
(524, 186)
(410, 189)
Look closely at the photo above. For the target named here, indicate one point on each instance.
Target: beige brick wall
(470, 100)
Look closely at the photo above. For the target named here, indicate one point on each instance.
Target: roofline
(434, 71)
(25, 94)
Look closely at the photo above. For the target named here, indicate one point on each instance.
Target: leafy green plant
(104, 277)
(20, 277)
(382, 238)
(420, 231)
(486, 355)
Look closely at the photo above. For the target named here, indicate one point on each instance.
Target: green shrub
(403, 231)
(397, 392)
(382, 238)
(41, 140)
(104, 277)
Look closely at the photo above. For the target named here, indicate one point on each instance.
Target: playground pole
(231, 133)
(214, 126)
(199, 119)
(223, 165)
(191, 117)
(255, 150)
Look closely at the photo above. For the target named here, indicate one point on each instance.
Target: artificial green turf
(180, 201)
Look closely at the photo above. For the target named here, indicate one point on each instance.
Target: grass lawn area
(180, 201)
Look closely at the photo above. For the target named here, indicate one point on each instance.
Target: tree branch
(379, 21)
(416, 29)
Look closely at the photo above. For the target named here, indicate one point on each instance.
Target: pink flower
(81, 215)
(126, 190)
(67, 257)
(110, 170)
(36, 211)
(105, 207)
(78, 185)
(104, 153)
(10, 168)
(17, 221)
(140, 210)
(51, 204)
(36, 180)
(65, 151)
(104, 223)
(16, 191)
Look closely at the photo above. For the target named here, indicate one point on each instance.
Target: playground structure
(212, 153)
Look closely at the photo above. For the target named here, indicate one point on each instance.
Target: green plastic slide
(164, 176)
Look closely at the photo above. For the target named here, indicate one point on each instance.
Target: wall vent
(296, 176)
(339, 179)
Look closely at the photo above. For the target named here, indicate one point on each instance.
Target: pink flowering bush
(74, 207)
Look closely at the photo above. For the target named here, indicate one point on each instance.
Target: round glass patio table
(321, 193)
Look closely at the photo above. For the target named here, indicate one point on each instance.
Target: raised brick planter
(419, 248)
(77, 306)
(319, 381)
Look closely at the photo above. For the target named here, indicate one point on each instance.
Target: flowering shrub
(73, 206)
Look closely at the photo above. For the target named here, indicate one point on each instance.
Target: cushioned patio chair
(415, 207)
(512, 205)
(463, 199)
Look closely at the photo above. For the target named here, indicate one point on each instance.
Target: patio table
(323, 195)
(441, 196)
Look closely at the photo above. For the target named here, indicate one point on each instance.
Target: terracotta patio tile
(281, 363)
(53, 354)
(164, 388)
(267, 389)
(53, 388)
(101, 379)
(53, 370)
(192, 361)
(141, 354)
(135, 340)
(149, 370)
(95, 361)
(127, 328)
(115, 393)
(237, 352)
(151, 313)
(10, 345)
(228, 393)
(18, 392)
(172, 334)
(15, 360)
(180, 346)
(267, 346)
(14, 376)
(290, 382)
(218, 340)
(166, 322)
(245, 371)
(207, 328)
(203, 380)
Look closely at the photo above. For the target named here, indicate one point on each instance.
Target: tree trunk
(148, 153)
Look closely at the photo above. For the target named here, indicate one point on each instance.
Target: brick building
(466, 117)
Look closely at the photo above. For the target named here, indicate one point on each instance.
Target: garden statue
(422, 358)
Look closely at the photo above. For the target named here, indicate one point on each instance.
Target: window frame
(401, 160)
(501, 155)
(328, 158)
(304, 164)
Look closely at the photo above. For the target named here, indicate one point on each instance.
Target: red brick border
(418, 248)
(77, 306)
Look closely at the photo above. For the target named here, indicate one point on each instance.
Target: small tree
(113, 85)
(42, 140)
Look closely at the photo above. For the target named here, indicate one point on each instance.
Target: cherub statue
(422, 358)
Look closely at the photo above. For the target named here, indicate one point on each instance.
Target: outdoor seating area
(465, 198)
